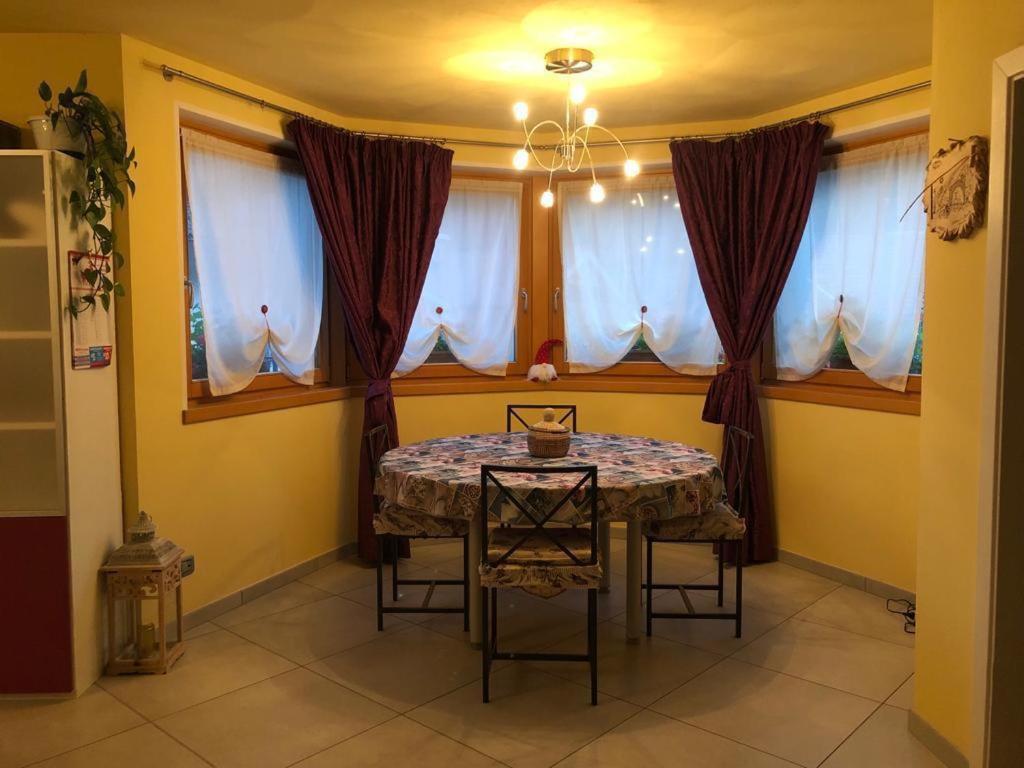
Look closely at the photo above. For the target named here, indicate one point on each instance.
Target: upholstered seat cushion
(721, 523)
(391, 519)
(539, 566)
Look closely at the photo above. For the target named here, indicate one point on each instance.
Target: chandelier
(572, 150)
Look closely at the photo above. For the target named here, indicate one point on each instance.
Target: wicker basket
(548, 439)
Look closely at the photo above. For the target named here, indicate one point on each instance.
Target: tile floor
(301, 677)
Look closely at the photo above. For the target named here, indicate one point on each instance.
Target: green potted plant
(98, 137)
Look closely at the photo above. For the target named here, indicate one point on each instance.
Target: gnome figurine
(542, 369)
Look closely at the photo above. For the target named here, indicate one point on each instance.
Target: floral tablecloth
(638, 478)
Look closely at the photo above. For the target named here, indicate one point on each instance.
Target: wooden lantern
(144, 571)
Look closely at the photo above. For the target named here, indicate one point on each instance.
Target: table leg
(634, 610)
(604, 544)
(474, 584)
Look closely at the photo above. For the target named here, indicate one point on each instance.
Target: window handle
(526, 300)
(554, 300)
(190, 292)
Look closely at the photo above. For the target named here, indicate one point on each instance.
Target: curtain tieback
(378, 388)
(739, 365)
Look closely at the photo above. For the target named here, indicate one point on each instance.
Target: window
(474, 300)
(255, 271)
(629, 280)
(854, 298)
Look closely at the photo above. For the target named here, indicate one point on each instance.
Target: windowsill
(872, 398)
(243, 403)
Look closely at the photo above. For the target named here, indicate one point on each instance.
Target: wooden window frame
(267, 391)
(842, 387)
(449, 377)
(626, 375)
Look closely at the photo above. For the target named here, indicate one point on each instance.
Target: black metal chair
(724, 525)
(393, 525)
(539, 554)
(513, 417)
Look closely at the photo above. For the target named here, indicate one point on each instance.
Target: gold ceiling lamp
(571, 150)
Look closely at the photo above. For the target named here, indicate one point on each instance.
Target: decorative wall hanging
(957, 183)
(91, 332)
(542, 370)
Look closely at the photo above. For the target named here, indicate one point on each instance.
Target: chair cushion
(539, 566)
(721, 523)
(394, 520)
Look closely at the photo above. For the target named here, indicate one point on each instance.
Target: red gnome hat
(542, 369)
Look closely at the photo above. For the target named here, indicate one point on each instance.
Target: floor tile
(399, 742)
(533, 718)
(146, 745)
(428, 552)
(281, 599)
(212, 665)
(49, 727)
(656, 741)
(444, 596)
(857, 611)
(777, 587)
(904, 696)
(342, 575)
(316, 630)
(199, 630)
(640, 672)
(681, 563)
(782, 715)
(274, 723)
(524, 622)
(404, 669)
(853, 663)
(883, 742)
(714, 635)
(609, 604)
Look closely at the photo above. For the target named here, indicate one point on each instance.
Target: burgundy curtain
(379, 203)
(745, 203)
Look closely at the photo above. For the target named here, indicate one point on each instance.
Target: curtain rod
(170, 73)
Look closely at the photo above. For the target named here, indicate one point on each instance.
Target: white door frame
(1006, 70)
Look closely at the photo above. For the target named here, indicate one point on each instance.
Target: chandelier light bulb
(547, 198)
(577, 93)
(596, 193)
(520, 159)
(520, 110)
(589, 116)
(631, 168)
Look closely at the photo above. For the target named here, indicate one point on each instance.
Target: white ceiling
(464, 63)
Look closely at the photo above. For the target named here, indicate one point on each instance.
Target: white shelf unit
(60, 484)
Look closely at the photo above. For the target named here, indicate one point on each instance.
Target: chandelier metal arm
(557, 166)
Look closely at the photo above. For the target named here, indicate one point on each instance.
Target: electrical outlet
(188, 565)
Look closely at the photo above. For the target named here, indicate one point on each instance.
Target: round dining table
(639, 478)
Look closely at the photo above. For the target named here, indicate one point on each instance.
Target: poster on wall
(955, 191)
(92, 328)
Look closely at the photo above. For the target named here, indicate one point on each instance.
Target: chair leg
(485, 642)
(494, 619)
(592, 642)
(465, 583)
(739, 588)
(721, 572)
(650, 581)
(394, 566)
(380, 583)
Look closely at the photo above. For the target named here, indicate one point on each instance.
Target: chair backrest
(736, 465)
(378, 442)
(581, 495)
(514, 417)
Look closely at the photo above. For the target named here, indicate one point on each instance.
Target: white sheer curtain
(473, 281)
(855, 247)
(621, 256)
(256, 243)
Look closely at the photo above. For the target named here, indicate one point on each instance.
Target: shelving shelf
(25, 335)
(27, 426)
(22, 242)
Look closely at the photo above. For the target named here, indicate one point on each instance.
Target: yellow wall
(256, 494)
(966, 39)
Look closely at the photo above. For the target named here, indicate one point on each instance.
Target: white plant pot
(48, 137)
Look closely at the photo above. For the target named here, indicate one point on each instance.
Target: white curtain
(472, 284)
(256, 243)
(856, 247)
(620, 256)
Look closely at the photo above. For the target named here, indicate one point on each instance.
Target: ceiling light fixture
(571, 150)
